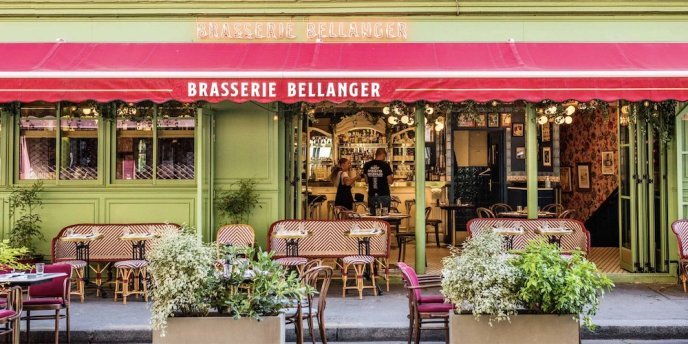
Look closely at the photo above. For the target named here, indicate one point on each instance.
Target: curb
(345, 334)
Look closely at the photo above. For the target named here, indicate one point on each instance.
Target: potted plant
(26, 224)
(533, 297)
(238, 303)
(237, 202)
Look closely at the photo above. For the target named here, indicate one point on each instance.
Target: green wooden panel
(150, 209)
(59, 213)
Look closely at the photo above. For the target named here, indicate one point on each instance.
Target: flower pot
(523, 328)
(226, 330)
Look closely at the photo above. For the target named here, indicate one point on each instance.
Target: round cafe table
(394, 220)
(138, 244)
(363, 238)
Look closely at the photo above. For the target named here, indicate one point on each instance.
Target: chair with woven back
(239, 235)
(310, 308)
(567, 214)
(680, 229)
(485, 213)
(424, 309)
(500, 208)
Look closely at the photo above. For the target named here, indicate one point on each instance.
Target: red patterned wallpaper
(583, 142)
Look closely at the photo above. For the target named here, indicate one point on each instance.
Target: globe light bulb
(397, 111)
(542, 119)
(275, 117)
(411, 121)
(404, 119)
(568, 120)
(392, 120)
(386, 110)
(559, 120)
(440, 119)
(429, 110)
(86, 111)
(551, 110)
(570, 110)
(439, 126)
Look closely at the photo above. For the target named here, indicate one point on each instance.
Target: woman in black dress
(342, 177)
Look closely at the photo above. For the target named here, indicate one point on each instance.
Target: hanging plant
(659, 116)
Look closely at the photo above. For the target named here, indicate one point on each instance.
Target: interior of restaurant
(475, 155)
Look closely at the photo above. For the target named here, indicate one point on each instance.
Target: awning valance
(314, 72)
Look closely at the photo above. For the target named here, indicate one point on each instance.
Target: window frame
(154, 181)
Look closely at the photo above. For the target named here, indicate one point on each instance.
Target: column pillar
(420, 189)
(531, 160)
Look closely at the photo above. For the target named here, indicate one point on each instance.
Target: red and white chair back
(680, 228)
(236, 235)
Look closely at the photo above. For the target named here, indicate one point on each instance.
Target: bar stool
(130, 271)
(78, 273)
(297, 263)
(359, 264)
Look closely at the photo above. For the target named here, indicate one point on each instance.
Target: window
(134, 141)
(176, 125)
(37, 141)
(167, 130)
(79, 142)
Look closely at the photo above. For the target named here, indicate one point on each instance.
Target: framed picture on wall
(583, 176)
(521, 153)
(546, 133)
(481, 120)
(565, 179)
(607, 163)
(547, 156)
(517, 129)
(506, 120)
(493, 120)
(466, 121)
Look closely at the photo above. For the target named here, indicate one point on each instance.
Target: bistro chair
(359, 264)
(680, 229)
(361, 207)
(239, 235)
(315, 205)
(131, 279)
(338, 209)
(420, 312)
(9, 316)
(78, 273)
(394, 203)
(500, 208)
(408, 236)
(485, 213)
(315, 309)
(567, 214)
(554, 208)
(50, 296)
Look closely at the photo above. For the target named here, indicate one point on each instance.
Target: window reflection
(79, 142)
(37, 136)
(176, 124)
(134, 141)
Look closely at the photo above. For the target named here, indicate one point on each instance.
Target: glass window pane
(37, 146)
(176, 124)
(79, 142)
(134, 142)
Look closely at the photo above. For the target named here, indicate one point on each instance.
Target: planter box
(524, 328)
(225, 330)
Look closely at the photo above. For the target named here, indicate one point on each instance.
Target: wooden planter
(523, 329)
(225, 330)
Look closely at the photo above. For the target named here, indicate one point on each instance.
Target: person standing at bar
(379, 176)
(342, 179)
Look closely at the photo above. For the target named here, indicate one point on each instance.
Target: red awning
(313, 72)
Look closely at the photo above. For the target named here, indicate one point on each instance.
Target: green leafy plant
(481, 279)
(551, 283)
(237, 203)
(9, 256)
(26, 224)
(189, 281)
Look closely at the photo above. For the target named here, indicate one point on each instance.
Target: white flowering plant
(190, 281)
(481, 279)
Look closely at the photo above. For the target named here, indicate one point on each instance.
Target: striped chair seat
(358, 260)
(131, 264)
(291, 261)
(76, 264)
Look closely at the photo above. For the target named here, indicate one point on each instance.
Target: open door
(643, 193)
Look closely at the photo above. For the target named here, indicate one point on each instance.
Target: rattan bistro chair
(485, 213)
(567, 214)
(500, 207)
(680, 229)
(239, 235)
(554, 208)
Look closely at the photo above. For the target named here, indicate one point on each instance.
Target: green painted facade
(245, 140)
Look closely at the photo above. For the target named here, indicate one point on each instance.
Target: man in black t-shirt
(379, 176)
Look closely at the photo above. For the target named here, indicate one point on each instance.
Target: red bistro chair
(424, 309)
(50, 296)
(11, 313)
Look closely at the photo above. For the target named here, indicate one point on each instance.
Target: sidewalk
(631, 311)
